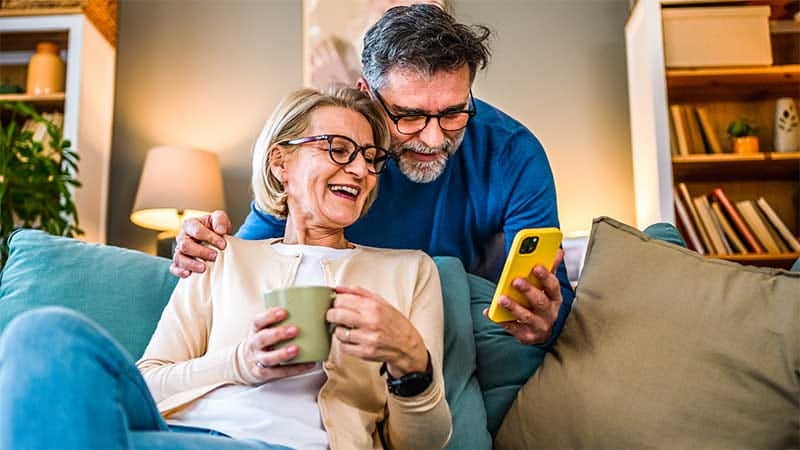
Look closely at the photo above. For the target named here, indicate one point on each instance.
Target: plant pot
(745, 144)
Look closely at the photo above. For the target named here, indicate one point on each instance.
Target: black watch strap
(410, 384)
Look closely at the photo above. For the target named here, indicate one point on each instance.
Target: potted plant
(35, 178)
(744, 135)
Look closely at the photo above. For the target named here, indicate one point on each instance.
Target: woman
(211, 366)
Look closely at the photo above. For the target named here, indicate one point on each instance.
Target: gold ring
(261, 365)
(347, 335)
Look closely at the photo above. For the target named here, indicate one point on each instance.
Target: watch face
(414, 386)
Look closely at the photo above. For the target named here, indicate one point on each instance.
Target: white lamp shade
(177, 183)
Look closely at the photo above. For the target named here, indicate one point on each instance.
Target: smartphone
(531, 247)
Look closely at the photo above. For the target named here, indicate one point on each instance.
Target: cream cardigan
(197, 345)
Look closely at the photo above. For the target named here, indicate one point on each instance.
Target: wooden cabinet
(87, 102)
(726, 94)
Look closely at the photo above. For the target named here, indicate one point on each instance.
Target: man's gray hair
(425, 39)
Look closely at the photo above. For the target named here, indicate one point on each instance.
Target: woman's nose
(358, 166)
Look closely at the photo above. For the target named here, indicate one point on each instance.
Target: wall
(200, 73)
(559, 67)
(208, 74)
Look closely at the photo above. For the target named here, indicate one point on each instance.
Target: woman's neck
(298, 233)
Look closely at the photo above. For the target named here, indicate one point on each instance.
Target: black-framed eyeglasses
(448, 120)
(343, 150)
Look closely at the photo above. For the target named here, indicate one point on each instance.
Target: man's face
(423, 156)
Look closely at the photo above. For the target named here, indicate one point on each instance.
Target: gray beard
(425, 171)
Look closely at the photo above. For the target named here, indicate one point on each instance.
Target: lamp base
(166, 244)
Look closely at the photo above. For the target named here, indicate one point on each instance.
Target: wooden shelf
(779, 260)
(742, 83)
(48, 98)
(14, 12)
(770, 165)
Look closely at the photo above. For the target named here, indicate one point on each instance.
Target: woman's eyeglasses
(343, 150)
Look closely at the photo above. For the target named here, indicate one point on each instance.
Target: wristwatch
(410, 384)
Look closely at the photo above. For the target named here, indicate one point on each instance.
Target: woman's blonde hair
(288, 121)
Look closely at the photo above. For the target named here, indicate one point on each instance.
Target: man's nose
(432, 135)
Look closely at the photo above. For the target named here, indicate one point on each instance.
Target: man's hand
(190, 253)
(534, 324)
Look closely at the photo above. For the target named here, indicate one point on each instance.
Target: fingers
(187, 264)
(520, 313)
(357, 291)
(267, 337)
(271, 358)
(220, 223)
(269, 317)
(189, 247)
(178, 272)
(559, 259)
(343, 316)
(199, 229)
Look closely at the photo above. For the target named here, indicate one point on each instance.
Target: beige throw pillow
(666, 349)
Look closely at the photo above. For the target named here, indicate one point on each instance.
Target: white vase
(787, 126)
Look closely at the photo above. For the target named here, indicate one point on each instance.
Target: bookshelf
(726, 94)
(88, 99)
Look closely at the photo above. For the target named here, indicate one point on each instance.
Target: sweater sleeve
(175, 360)
(423, 421)
(530, 194)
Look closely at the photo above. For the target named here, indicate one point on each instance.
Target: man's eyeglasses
(414, 123)
(343, 150)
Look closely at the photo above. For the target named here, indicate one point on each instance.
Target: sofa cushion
(122, 290)
(665, 348)
(461, 385)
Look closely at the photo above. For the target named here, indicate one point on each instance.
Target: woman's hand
(369, 328)
(262, 361)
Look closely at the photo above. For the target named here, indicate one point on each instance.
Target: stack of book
(713, 224)
(692, 131)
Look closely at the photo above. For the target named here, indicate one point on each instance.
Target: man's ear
(362, 85)
(277, 163)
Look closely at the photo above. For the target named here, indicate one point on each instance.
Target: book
(737, 221)
(776, 237)
(748, 210)
(717, 225)
(709, 133)
(687, 225)
(701, 231)
(680, 129)
(696, 144)
(704, 211)
(779, 225)
(736, 244)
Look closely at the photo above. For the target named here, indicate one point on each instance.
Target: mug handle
(332, 327)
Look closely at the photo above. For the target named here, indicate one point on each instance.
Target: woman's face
(314, 182)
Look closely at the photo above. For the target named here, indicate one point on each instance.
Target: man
(464, 173)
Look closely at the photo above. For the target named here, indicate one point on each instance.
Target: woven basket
(102, 13)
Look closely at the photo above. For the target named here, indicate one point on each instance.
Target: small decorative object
(161, 202)
(787, 126)
(45, 70)
(744, 135)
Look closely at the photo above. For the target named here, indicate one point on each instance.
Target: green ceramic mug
(306, 307)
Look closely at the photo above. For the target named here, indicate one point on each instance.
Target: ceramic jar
(45, 70)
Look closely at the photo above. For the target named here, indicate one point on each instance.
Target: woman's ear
(277, 163)
(362, 85)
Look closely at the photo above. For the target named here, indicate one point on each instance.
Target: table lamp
(177, 183)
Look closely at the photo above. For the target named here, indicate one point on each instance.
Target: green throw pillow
(666, 349)
(122, 290)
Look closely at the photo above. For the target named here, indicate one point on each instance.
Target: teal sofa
(124, 291)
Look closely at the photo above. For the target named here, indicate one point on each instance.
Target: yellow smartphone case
(520, 262)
